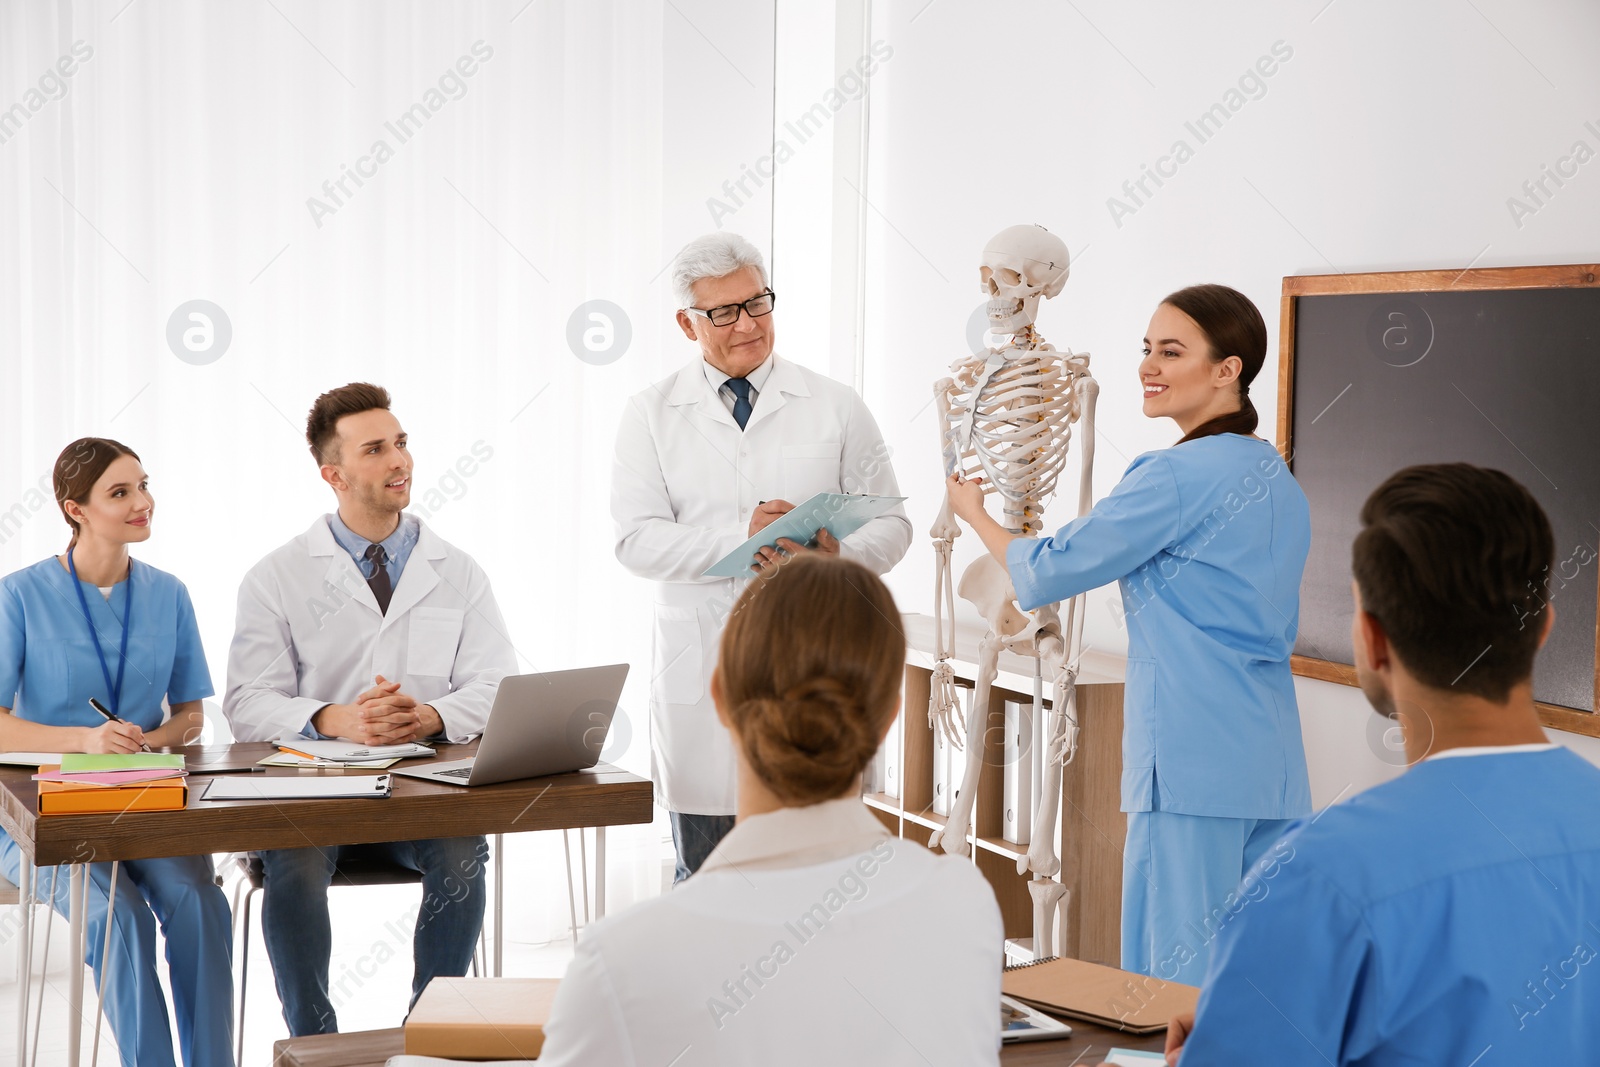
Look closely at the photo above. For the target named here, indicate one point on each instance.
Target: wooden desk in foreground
(600, 797)
(604, 796)
(1087, 1046)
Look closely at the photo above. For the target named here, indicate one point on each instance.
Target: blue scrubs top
(1208, 541)
(1451, 916)
(48, 666)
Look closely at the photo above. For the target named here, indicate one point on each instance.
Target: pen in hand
(102, 709)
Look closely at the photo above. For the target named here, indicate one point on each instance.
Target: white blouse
(810, 936)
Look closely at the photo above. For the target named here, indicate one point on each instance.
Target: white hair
(712, 256)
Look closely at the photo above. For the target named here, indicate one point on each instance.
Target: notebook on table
(1120, 1000)
(70, 798)
(480, 1018)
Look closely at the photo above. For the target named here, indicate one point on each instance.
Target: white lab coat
(308, 633)
(886, 954)
(685, 482)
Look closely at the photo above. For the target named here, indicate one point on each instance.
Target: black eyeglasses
(728, 314)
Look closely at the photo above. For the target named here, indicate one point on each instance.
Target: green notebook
(84, 762)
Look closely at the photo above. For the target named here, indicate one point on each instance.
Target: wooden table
(372, 1048)
(601, 797)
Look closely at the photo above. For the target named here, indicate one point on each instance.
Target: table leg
(499, 900)
(24, 958)
(78, 934)
(599, 872)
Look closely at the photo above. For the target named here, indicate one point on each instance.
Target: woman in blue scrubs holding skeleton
(93, 622)
(1208, 540)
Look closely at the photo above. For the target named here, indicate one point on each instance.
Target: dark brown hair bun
(810, 670)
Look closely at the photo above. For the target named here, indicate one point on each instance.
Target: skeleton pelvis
(986, 585)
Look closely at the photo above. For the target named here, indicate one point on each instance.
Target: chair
(356, 868)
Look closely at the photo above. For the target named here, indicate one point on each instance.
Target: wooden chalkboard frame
(1570, 276)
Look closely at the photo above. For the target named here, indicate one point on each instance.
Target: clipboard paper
(841, 514)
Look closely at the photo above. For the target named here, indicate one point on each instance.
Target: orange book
(66, 798)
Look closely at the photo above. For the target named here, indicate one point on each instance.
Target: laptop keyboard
(455, 772)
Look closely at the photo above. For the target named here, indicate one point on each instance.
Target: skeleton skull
(1020, 265)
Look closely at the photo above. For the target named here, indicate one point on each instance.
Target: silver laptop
(540, 724)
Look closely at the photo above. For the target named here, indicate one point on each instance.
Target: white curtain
(426, 196)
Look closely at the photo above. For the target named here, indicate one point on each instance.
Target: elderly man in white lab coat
(705, 459)
(369, 627)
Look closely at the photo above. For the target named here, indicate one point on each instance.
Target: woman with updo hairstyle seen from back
(1208, 539)
(810, 935)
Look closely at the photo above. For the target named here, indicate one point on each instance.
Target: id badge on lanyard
(114, 692)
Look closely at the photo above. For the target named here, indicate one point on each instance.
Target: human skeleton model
(1007, 413)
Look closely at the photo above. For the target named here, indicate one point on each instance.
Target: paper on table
(30, 759)
(289, 759)
(287, 787)
(349, 751)
(841, 514)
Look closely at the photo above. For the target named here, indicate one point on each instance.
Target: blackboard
(1498, 367)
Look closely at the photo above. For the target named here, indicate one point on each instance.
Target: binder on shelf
(872, 776)
(892, 758)
(1016, 814)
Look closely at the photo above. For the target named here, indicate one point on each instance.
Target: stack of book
(97, 784)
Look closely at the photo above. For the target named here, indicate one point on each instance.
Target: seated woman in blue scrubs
(1208, 540)
(93, 623)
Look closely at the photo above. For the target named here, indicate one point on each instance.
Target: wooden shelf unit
(1091, 826)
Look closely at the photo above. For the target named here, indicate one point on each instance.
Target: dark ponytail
(1233, 327)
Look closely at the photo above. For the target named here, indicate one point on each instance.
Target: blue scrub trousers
(182, 895)
(1178, 873)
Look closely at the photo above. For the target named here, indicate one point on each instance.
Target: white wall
(1390, 137)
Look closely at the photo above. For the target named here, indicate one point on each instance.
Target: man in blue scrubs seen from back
(1450, 916)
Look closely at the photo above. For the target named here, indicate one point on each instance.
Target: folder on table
(294, 787)
(1120, 1000)
(90, 762)
(841, 514)
(481, 1018)
(68, 798)
(108, 779)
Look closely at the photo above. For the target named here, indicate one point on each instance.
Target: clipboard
(841, 514)
(296, 787)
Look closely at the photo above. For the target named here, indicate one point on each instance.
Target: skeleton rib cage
(1010, 417)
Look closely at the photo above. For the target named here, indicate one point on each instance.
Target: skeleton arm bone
(953, 836)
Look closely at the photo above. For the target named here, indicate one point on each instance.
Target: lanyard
(127, 625)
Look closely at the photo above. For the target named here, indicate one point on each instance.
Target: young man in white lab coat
(367, 626)
(705, 459)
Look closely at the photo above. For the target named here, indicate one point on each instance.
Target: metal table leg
(599, 872)
(24, 958)
(499, 901)
(77, 909)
